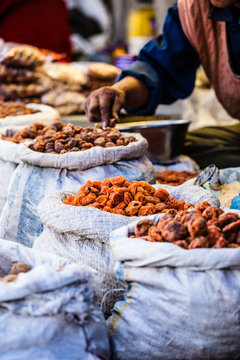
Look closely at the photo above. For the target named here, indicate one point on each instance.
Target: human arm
(166, 66)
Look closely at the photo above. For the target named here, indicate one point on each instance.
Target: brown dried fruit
(74, 138)
(176, 228)
(9, 278)
(58, 147)
(161, 194)
(200, 207)
(173, 231)
(19, 268)
(212, 212)
(199, 242)
(142, 227)
(182, 243)
(155, 234)
(100, 141)
(146, 210)
(140, 197)
(109, 144)
(132, 208)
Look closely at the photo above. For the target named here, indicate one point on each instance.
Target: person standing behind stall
(41, 23)
(203, 32)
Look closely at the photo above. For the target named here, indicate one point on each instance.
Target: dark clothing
(41, 23)
(168, 63)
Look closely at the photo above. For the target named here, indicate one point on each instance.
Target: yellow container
(141, 27)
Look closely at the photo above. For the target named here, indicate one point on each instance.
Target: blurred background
(79, 33)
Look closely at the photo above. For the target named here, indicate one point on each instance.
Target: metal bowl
(165, 137)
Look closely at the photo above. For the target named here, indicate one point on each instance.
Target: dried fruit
(19, 268)
(193, 230)
(16, 269)
(60, 138)
(118, 196)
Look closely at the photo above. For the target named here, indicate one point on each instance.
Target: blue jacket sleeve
(167, 64)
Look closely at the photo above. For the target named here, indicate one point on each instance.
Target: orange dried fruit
(89, 199)
(132, 208)
(161, 194)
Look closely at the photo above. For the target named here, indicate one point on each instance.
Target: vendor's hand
(104, 105)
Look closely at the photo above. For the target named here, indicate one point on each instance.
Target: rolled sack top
(83, 160)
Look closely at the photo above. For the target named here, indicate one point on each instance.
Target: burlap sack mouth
(137, 252)
(83, 160)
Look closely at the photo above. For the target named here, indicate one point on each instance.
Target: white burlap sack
(180, 304)
(95, 254)
(47, 313)
(46, 115)
(8, 163)
(8, 150)
(83, 160)
(31, 183)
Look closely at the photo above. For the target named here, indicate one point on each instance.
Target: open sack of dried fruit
(48, 308)
(65, 157)
(182, 272)
(77, 226)
(17, 117)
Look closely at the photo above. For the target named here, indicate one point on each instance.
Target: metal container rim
(150, 124)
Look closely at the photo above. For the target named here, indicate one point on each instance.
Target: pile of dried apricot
(207, 227)
(117, 196)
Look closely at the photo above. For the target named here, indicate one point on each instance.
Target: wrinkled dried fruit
(9, 278)
(68, 137)
(118, 196)
(19, 268)
(142, 227)
(191, 230)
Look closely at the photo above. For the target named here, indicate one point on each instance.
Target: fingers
(105, 103)
(92, 108)
(117, 105)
